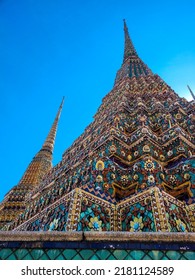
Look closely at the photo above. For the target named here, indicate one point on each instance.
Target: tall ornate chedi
(15, 201)
(131, 170)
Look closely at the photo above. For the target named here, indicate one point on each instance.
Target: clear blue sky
(55, 48)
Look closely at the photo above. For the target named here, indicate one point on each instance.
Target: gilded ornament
(146, 148)
(135, 177)
(162, 176)
(99, 165)
(162, 157)
(113, 176)
(186, 176)
(99, 179)
(129, 157)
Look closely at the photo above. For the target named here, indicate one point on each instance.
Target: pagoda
(14, 202)
(132, 169)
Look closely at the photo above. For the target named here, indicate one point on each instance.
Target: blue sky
(55, 48)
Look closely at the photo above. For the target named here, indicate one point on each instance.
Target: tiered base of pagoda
(96, 246)
(152, 210)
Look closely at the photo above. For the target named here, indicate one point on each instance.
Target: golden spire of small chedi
(14, 201)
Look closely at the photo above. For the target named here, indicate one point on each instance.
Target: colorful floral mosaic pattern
(52, 219)
(138, 217)
(178, 220)
(93, 217)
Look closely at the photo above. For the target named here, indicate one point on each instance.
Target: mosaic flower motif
(180, 225)
(151, 179)
(136, 224)
(99, 179)
(172, 179)
(53, 225)
(124, 179)
(149, 165)
(95, 224)
(169, 153)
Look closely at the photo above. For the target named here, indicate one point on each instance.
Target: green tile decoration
(36, 253)
(120, 254)
(5, 253)
(137, 254)
(103, 254)
(173, 255)
(69, 254)
(155, 255)
(53, 253)
(87, 254)
(21, 253)
(94, 254)
(189, 255)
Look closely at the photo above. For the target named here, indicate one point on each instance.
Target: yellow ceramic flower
(136, 224)
(149, 165)
(95, 224)
(180, 225)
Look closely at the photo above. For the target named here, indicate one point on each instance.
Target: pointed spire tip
(129, 47)
(193, 96)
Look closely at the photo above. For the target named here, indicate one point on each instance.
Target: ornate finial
(193, 96)
(50, 140)
(129, 48)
